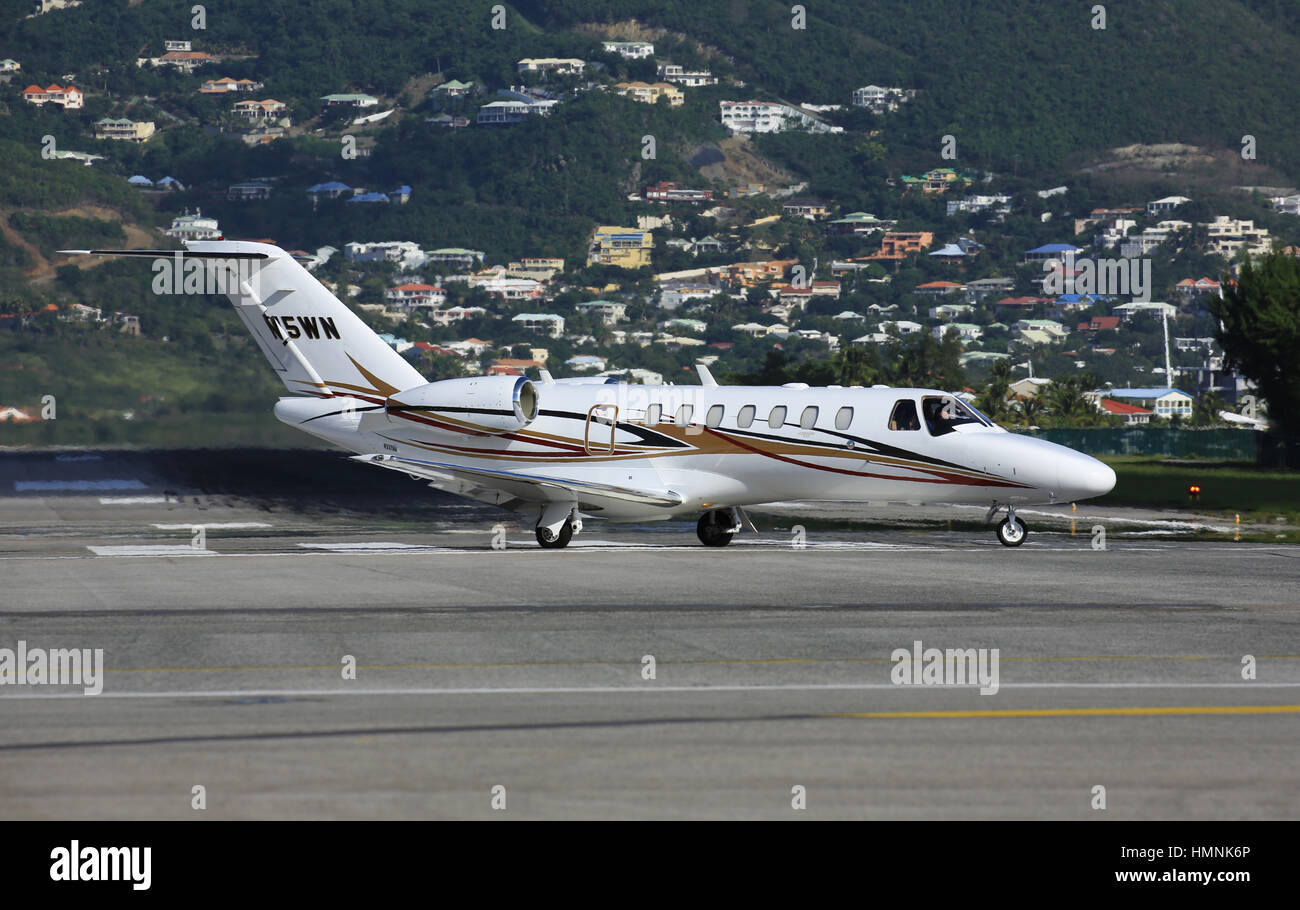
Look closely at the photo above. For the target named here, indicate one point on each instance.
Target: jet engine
(486, 404)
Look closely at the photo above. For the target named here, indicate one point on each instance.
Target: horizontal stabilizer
(166, 254)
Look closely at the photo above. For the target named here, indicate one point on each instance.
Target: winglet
(546, 377)
(706, 378)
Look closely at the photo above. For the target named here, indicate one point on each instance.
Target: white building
(514, 110)
(1228, 235)
(508, 288)
(1167, 204)
(414, 294)
(1287, 205)
(545, 323)
(633, 50)
(456, 257)
(671, 72)
(880, 98)
(966, 331)
(1164, 402)
(570, 66)
(1140, 244)
(456, 314)
(405, 253)
(767, 117)
(194, 227)
(611, 312)
(974, 204)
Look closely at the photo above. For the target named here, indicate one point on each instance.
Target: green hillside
(1029, 91)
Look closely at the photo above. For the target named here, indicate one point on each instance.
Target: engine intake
(482, 404)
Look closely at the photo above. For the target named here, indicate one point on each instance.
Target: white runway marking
(832, 544)
(77, 486)
(212, 525)
(1244, 551)
(84, 457)
(131, 500)
(152, 550)
(1166, 523)
(649, 688)
(369, 547)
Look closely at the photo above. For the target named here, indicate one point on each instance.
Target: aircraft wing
(507, 488)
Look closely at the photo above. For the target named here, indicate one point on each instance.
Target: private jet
(559, 451)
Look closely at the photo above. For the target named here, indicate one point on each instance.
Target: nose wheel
(1012, 531)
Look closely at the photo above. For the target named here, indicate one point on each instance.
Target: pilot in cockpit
(943, 414)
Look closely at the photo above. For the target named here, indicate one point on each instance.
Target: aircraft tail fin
(315, 343)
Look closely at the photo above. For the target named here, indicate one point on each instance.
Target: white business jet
(561, 450)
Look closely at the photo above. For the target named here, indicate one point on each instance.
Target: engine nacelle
(483, 404)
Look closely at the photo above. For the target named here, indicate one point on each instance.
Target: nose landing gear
(1012, 531)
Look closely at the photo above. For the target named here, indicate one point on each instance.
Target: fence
(1220, 445)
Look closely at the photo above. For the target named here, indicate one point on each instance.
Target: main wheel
(715, 528)
(1012, 533)
(556, 541)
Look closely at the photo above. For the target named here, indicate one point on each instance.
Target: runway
(525, 669)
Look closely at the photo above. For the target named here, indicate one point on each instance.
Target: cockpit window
(904, 416)
(944, 413)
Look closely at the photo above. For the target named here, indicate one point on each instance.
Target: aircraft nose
(1083, 477)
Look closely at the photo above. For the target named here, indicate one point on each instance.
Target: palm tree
(993, 400)
(1031, 411)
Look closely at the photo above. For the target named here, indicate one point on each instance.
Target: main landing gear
(557, 524)
(717, 526)
(1012, 531)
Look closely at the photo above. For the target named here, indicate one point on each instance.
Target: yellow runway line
(1073, 712)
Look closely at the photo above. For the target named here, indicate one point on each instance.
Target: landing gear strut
(557, 524)
(716, 527)
(1012, 531)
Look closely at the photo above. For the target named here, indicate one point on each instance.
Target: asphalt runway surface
(476, 668)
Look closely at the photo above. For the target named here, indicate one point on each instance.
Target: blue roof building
(1164, 402)
(1051, 251)
(331, 190)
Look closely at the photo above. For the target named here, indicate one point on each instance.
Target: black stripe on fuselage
(879, 448)
(373, 407)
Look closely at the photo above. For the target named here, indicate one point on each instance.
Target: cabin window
(746, 416)
(843, 418)
(714, 417)
(776, 419)
(653, 414)
(904, 416)
(808, 419)
(684, 414)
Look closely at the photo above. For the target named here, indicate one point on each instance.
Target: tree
(1031, 411)
(1065, 401)
(1205, 413)
(1259, 316)
(993, 400)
